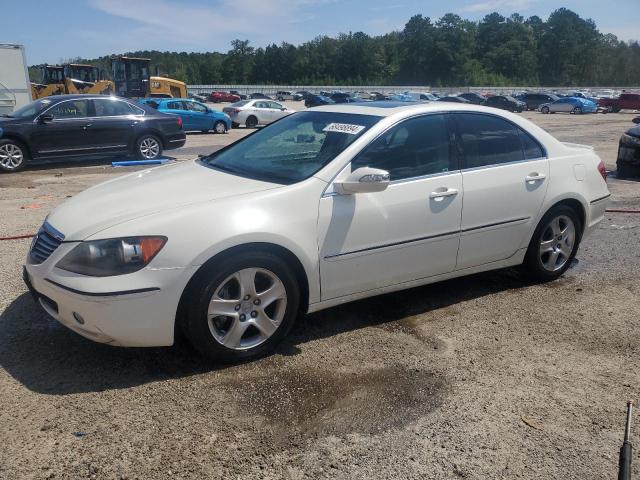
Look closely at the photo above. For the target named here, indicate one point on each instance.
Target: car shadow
(48, 358)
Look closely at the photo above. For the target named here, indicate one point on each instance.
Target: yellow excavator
(132, 79)
(71, 78)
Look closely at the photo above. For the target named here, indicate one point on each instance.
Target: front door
(68, 132)
(505, 177)
(408, 231)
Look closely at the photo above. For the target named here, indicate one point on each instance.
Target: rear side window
(531, 148)
(414, 148)
(488, 140)
(111, 108)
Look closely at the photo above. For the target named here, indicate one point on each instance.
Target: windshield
(31, 110)
(82, 73)
(294, 148)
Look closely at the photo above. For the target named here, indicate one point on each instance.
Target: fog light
(78, 318)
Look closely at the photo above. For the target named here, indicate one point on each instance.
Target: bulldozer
(71, 78)
(132, 79)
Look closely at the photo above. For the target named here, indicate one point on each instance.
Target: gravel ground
(488, 376)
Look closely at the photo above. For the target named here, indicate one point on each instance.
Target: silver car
(252, 113)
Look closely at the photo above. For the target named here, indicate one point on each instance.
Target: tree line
(566, 50)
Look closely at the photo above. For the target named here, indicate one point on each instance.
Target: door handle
(88, 125)
(535, 177)
(443, 192)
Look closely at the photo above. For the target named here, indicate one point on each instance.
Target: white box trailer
(15, 88)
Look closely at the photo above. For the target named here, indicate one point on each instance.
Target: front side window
(414, 148)
(111, 108)
(488, 140)
(294, 148)
(196, 107)
(70, 109)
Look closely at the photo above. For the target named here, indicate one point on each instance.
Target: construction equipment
(132, 79)
(626, 451)
(71, 78)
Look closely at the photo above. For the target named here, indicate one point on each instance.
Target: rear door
(113, 124)
(68, 132)
(505, 177)
(177, 107)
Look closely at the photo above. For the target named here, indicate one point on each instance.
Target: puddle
(297, 402)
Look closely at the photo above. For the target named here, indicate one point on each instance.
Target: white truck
(15, 88)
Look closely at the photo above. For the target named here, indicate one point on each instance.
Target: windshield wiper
(226, 168)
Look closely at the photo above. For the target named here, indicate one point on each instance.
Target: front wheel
(554, 243)
(544, 109)
(13, 156)
(576, 111)
(242, 306)
(148, 147)
(220, 127)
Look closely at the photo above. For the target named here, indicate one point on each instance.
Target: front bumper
(139, 310)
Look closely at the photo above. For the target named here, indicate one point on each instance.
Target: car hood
(146, 192)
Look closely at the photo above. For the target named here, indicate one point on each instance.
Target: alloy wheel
(219, 127)
(557, 242)
(247, 308)
(11, 156)
(149, 148)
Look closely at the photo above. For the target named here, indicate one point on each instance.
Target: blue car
(573, 105)
(195, 115)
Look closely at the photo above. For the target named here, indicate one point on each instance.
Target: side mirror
(45, 118)
(364, 180)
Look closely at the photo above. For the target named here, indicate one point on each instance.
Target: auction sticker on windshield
(344, 128)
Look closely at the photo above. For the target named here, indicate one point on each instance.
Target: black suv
(534, 100)
(83, 125)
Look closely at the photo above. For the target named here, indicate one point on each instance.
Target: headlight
(114, 256)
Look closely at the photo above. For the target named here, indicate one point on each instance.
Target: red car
(626, 101)
(217, 97)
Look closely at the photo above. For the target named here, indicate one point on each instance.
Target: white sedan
(326, 206)
(252, 113)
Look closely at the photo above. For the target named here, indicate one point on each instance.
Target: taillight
(179, 121)
(602, 170)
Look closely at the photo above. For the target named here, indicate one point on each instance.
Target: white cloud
(623, 32)
(493, 5)
(209, 28)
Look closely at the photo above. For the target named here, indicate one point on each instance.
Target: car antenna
(626, 451)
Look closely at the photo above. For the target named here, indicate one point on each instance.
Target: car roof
(82, 96)
(385, 108)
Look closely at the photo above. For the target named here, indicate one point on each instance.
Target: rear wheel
(148, 147)
(251, 122)
(242, 306)
(220, 127)
(554, 243)
(13, 155)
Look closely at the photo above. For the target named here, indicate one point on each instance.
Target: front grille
(45, 243)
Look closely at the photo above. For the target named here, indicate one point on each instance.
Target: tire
(234, 125)
(148, 147)
(545, 110)
(251, 122)
(13, 156)
(221, 280)
(280, 99)
(560, 230)
(576, 111)
(220, 127)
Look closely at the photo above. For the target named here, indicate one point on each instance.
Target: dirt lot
(489, 376)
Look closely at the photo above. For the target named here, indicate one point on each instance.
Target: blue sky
(62, 29)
